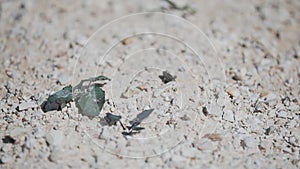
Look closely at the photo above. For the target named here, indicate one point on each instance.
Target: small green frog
(89, 99)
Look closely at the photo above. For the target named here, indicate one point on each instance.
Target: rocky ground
(234, 106)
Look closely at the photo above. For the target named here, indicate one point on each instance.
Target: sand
(233, 104)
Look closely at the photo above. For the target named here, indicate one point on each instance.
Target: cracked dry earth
(248, 119)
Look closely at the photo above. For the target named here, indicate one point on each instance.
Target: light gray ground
(233, 107)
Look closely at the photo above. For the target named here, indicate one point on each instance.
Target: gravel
(240, 110)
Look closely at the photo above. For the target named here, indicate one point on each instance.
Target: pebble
(255, 72)
(27, 105)
(281, 114)
(214, 109)
(6, 158)
(55, 138)
(2, 92)
(250, 142)
(127, 41)
(255, 124)
(287, 150)
(232, 91)
(13, 74)
(228, 115)
(63, 78)
(177, 101)
(223, 99)
(271, 99)
(81, 40)
(7, 147)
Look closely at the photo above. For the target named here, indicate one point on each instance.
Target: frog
(89, 99)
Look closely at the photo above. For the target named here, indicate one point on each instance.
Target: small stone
(7, 147)
(2, 92)
(255, 124)
(271, 99)
(223, 99)
(81, 40)
(281, 114)
(9, 73)
(127, 41)
(214, 109)
(287, 150)
(63, 78)
(250, 142)
(55, 138)
(232, 91)
(6, 158)
(13, 74)
(236, 77)
(228, 115)
(27, 105)
(177, 101)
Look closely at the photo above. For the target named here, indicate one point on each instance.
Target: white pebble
(282, 114)
(55, 138)
(27, 105)
(251, 142)
(6, 158)
(228, 115)
(214, 109)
